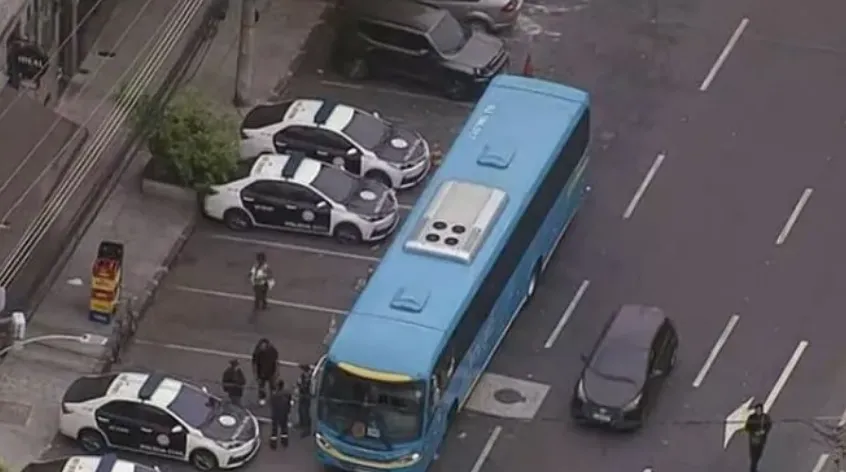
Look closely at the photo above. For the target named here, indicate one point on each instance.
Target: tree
(193, 142)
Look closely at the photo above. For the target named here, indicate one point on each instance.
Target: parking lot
(201, 316)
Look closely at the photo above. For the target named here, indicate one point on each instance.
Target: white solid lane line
(724, 55)
(644, 185)
(794, 215)
(486, 451)
(785, 375)
(818, 467)
(271, 301)
(715, 351)
(565, 317)
(290, 247)
(205, 351)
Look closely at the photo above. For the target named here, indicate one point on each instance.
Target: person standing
(233, 382)
(304, 400)
(265, 361)
(757, 426)
(261, 278)
(280, 410)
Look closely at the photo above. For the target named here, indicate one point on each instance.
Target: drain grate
(14, 413)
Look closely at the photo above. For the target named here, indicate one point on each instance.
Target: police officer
(757, 426)
(265, 362)
(304, 400)
(233, 382)
(261, 278)
(280, 410)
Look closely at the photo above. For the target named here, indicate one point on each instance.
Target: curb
(135, 313)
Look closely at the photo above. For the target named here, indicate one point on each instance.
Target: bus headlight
(408, 460)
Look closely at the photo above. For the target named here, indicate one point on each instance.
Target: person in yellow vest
(261, 278)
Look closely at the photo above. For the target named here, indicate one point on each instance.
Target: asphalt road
(705, 232)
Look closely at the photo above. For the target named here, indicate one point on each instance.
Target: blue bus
(470, 255)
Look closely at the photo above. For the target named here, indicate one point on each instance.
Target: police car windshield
(335, 184)
(193, 406)
(367, 130)
(369, 410)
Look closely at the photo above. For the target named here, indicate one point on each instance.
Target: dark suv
(418, 42)
(623, 375)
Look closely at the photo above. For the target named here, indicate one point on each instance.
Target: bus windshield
(361, 408)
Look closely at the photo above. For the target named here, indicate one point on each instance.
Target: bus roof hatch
(457, 220)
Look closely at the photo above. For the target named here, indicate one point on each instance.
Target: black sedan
(625, 371)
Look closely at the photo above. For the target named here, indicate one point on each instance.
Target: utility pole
(246, 48)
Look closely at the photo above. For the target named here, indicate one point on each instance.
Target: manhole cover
(508, 396)
(14, 413)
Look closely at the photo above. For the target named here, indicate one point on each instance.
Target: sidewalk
(33, 379)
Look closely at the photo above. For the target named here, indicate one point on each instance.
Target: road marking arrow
(736, 420)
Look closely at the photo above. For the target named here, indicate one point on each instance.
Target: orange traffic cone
(528, 68)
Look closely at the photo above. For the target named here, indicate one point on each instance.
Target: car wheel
(237, 220)
(203, 460)
(456, 89)
(347, 233)
(356, 69)
(380, 177)
(91, 441)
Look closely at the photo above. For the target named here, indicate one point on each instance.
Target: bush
(193, 142)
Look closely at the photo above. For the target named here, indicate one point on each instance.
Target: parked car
(492, 16)
(295, 193)
(158, 415)
(416, 42)
(360, 142)
(626, 370)
(106, 463)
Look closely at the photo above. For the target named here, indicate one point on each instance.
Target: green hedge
(193, 140)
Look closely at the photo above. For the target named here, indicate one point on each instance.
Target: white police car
(295, 193)
(106, 463)
(362, 143)
(158, 415)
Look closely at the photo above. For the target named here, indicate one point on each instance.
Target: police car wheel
(237, 220)
(347, 233)
(203, 460)
(380, 177)
(91, 441)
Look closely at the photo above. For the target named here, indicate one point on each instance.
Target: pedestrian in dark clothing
(280, 410)
(304, 400)
(757, 426)
(234, 381)
(261, 278)
(265, 359)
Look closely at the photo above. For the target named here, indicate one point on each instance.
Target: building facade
(43, 43)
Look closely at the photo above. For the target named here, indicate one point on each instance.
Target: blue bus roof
(524, 115)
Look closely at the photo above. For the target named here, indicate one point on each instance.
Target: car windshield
(620, 363)
(335, 183)
(361, 408)
(193, 406)
(367, 130)
(448, 35)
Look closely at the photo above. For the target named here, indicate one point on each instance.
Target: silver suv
(484, 15)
